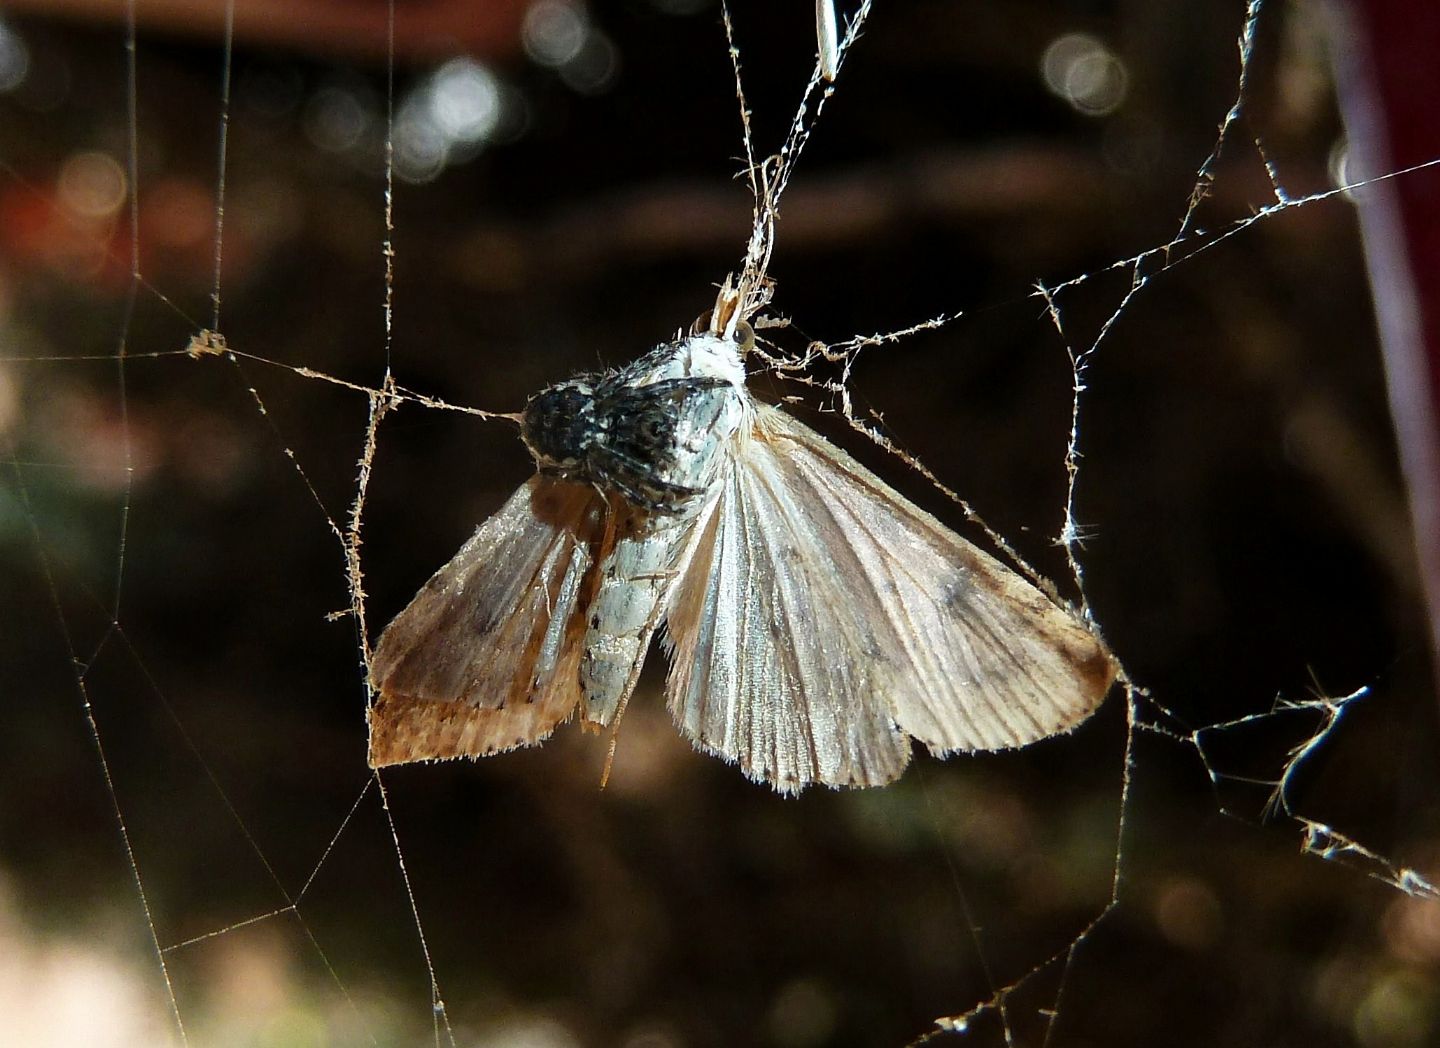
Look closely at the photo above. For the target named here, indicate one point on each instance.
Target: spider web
(1032, 995)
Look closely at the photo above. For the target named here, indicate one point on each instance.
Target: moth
(815, 620)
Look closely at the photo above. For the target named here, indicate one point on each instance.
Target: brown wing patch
(485, 658)
(404, 729)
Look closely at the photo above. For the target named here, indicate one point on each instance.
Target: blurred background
(565, 198)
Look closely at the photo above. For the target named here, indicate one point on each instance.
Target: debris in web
(1317, 838)
(207, 343)
(769, 177)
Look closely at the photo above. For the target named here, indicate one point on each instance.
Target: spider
(636, 431)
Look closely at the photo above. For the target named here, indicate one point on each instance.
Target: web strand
(226, 67)
(380, 405)
(87, 710)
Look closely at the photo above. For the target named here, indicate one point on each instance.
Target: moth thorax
(559, 424)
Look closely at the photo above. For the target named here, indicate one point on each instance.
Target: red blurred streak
(424, 29)
(1388, 64)
(39, 235)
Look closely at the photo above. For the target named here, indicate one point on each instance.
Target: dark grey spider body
(639, 432)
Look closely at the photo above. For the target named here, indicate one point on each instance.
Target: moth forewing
(975, 657)
(485, 657)
(770, 668)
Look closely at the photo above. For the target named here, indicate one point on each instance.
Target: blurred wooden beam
(1389, 79)
(424, 29)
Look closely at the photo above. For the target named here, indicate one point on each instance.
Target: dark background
(1247, 540)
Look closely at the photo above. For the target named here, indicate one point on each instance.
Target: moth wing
(770, 665)
(976, 658)
(486, 656)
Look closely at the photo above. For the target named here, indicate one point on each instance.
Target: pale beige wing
(486, 657)
(771, 666)
(973, 656)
